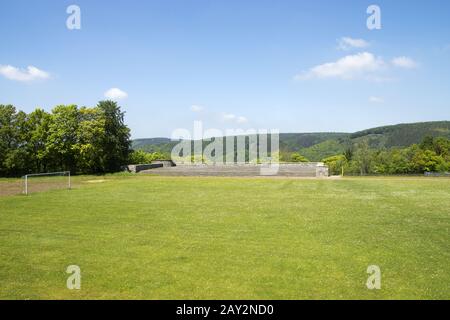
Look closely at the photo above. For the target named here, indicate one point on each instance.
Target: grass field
(150, 237)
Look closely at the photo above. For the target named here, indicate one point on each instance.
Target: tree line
(81, 140)
(431, 155)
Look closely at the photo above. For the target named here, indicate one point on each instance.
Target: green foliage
(90, 137)
(142, 157)
(63, 137)
(363, 158)
(305, 143)
(37, 136)
(428, 161)
(432, 155)
(116, 141)
(348, 153)
(296, 142)
(296, 157)
(403, 135)
(12, 140)
(323, 150)
(82, 140)
(336, 164)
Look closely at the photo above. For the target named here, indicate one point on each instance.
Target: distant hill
(297, 141)
(161, 145)
(151, 141)
(403, 135)
(316, 146)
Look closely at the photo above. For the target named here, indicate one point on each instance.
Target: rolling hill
(316, 146)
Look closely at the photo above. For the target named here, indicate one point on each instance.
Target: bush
(296, 157)
(142, 157)
(336, 164)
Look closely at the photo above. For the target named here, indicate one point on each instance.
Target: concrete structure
(136, 168)
(165, 163)
(311, 170)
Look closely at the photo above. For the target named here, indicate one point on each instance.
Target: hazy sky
(296, 66)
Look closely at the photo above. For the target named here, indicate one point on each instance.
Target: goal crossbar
(61, 173)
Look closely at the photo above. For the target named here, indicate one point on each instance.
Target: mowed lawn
(148, 237)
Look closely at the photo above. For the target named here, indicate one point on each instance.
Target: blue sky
(296, 66)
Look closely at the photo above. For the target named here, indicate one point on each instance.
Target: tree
(116, 141)
(38, 123)
(12, 141)
(427, 143)
(82, 140)
(90, 136)
(336, 164)
(441, 146)
(363, 158)
(62, 137)
(428, 161)
(348, 154)
(399, 162)
(7, 133)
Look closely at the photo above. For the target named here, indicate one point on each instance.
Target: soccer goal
(46, 181)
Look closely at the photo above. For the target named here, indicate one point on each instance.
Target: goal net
(46, 181)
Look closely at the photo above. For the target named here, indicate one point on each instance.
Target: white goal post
(47, 183)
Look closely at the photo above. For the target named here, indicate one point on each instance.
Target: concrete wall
(165, 163)
(135, 168)
(322, 171)
(286, 169)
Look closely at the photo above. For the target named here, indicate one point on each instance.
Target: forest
(83, 140)
(431, 155)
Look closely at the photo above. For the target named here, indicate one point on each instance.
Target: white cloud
(404, 62)
(197, 108)
(116, 94)
(347, 43)
(374, 99)
(349, 67)
(24, 75)
(241, 120)
(229, 117)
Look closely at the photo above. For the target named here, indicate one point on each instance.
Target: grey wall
(135, 168)
(287, 170)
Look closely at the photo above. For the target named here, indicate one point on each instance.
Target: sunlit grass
(228, 238)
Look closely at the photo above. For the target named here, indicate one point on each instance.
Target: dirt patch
(16, 186)
(10, 188)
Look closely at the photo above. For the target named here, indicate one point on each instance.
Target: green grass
(151, 237)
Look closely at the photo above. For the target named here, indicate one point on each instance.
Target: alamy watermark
(232, 147)
(374, 20)
(374, 279)
(74, 280)
(73, 22)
